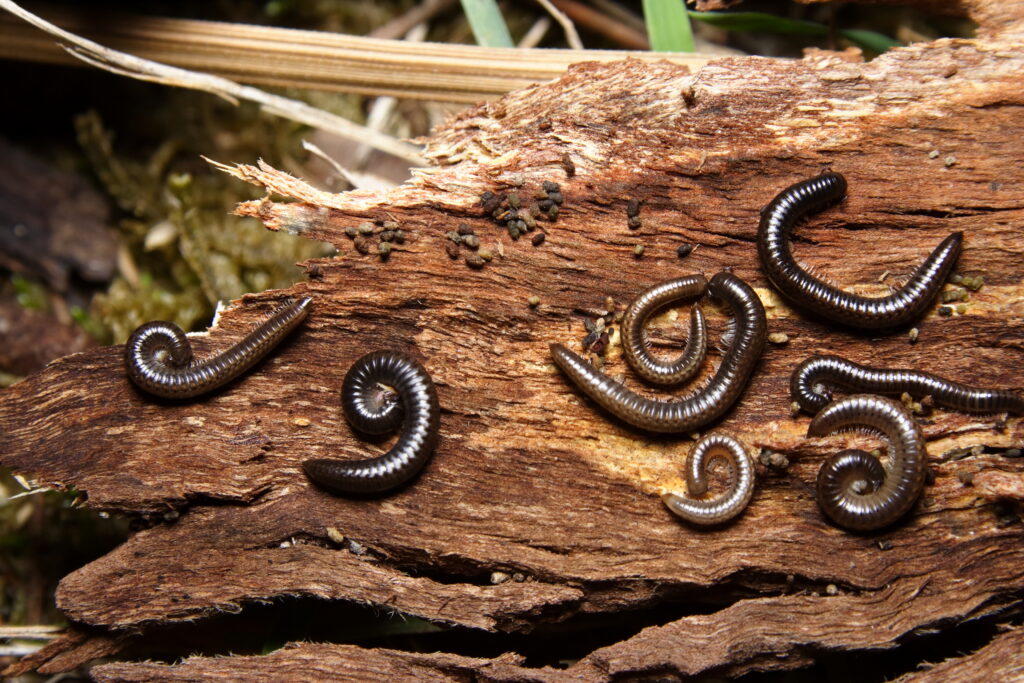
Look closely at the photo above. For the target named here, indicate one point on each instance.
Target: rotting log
(530, 477)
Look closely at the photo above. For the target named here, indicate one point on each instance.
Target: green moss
(183, 251)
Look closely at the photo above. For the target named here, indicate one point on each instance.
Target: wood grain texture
(318, 662)
(532, 478)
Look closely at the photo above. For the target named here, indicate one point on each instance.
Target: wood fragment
(1002, 659)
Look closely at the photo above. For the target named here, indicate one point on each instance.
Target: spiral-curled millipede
(854, 490)
(807, 291)
(707, 512)
(158, 355)
(703, 406)
(811, 383)
(370, 408)
(634, 345)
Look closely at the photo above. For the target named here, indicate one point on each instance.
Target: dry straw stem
(313, 59)
(143, 69)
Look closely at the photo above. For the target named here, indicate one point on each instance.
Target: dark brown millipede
(854, 490)
(811, 293)
(634, 345)
(158, 355)
(711, 511)
(706, 404)
(371, 409)
(811, 383)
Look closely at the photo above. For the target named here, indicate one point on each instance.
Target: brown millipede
(701, 407)
(634, 345)
(854, 490)
(370, 409)
(810, 386)
(707, 512)
(807, 291)
(158, 355)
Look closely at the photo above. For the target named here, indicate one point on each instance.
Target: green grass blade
(759, 22)
(668, 27)
(869, 40)
(488, 25)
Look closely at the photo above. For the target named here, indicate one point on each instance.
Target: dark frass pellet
(465, 229)
(551, 186)
(351, 232)
(453, 236)
(684, 250)
(486, 197)
(545, 205)
(568, 166)
(492, 203)
(366, 228)
(945, 311)
(538, 239)
(474, 261)
(471, 241)
(387, 236)
(452, 249)
(492, 208)
(389, 225)
(556, 197)
(364, 245)
(513, 200)
(513, 232)
(400, 236)
(535, 211)
(634, 222)
(553, 213)
(384, 249)
(633, 208)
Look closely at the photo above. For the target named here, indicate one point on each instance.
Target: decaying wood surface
(532, 478)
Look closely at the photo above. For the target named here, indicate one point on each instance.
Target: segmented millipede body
(854, 490)
(707, 512)
(811, 293)
(158, 355)
(811, 385)
(372, 409)
(634, 345)
(706, 404)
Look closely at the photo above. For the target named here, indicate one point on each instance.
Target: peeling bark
(1005, 655)
(531, 477)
